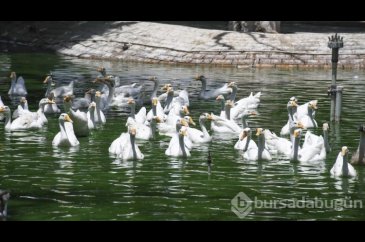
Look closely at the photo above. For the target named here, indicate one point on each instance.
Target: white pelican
(22, 108)
(292, 110)
(244, 141)
(66, 136)
(17, 86)
(29, 120)
(4, 198)
(259, 153)
(79, 119)
(51, 108)
(99, 115)
(211, 94)
(358, 157)
(197, 136)
(125, 147)
(91, 113)
(341, 166)
(58, 92)
(84, 102)
(306, 112)
(177, 146)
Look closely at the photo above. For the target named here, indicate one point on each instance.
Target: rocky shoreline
(151, 42)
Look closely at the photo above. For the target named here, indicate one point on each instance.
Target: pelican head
(101, 69)
(12, 75)
(189, 120)
(97, 94)
(23, 100)
(4, 109)
(185, 110)
(244, 133)
(48, 78)
(166, 86)
(251, 113)
(67, 98)
(344, 150)
(207, 116)
(184, 122)
(132, 131)
(182, 131)
(231, 84)
(199, 77)
(170, 90)
(297, 133)
(229, 103)
(65, 118)
(157, 119)
(313, 104)
(131, 101)
(154, 101)
(152, 78)
(92, 105)
(259, 131)
(293, 103)
(294, 99)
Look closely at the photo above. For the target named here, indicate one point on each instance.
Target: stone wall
(164, 43)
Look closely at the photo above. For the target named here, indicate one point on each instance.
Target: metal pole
(332, 92)
(338, 103)
(334, 65)
(335, 42)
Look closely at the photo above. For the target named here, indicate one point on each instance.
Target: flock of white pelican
(169, 116)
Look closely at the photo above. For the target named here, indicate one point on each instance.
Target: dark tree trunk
(255, 26)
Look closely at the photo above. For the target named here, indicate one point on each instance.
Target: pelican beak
(313, 105)
(67, 98)
(253, 113)
(97, 94)
(183, 122)
(209, 117)
(198, 77)
(300, 125)
(326, 126)
(191, 121)
(231, 84)
(93, 104)
(243, 135)
(154, 101)
(2, 109)
(23, 100)
(186, 110)
(220, 97)
(296, 133)
(47, 79)
(100, 69)
(158, 120)
(229, 103)
(133, 131)
(12, 75)
(293, 104)
(67, 118)
(49, 101)
(183, 132)
(344, 150)
(100, 80)
(258, 131)
(130, 100)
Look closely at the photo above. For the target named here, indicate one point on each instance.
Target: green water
(87, 184)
